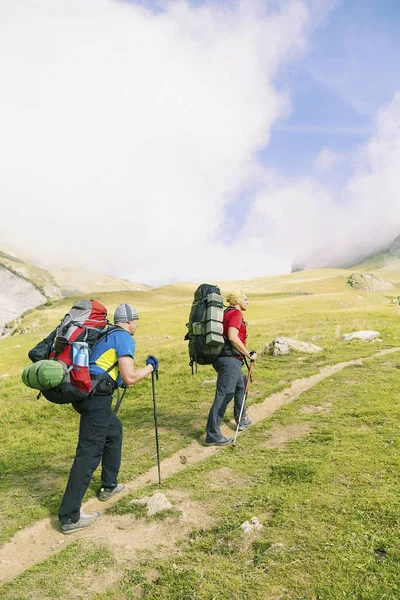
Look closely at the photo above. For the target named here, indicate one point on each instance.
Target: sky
(198, 140)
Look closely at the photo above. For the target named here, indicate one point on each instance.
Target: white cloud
(125, 134)
(129, 143)
(326, 160)
(305, 220)
(374, 190)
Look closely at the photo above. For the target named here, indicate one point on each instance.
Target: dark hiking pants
(231, 382)
(100, 439)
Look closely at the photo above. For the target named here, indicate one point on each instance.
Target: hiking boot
(84, 521)
(222, 441)
(244, 423)
(106, 493)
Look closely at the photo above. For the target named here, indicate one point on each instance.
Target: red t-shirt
(234, 318)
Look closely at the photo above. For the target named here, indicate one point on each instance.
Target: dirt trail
(43, 539)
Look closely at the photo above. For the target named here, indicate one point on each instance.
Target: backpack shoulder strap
(110, 329)
(229, 349)
(229, 308)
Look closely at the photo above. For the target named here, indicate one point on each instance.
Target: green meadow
(326, 494)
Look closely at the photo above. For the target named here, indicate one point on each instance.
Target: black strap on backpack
(228, 349)
(101, 378)
(103, 335)
(119, 398)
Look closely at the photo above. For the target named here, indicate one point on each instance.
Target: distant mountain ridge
(384, 258)
(24, 286)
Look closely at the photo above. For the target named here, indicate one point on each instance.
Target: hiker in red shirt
(231, 380)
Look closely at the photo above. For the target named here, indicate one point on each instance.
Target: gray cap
(124, 313)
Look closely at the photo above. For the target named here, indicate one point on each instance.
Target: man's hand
(253, 356)
(153, 361)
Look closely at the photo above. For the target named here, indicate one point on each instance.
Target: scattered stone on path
(155, 504)
(253, 525)
(366, 336)
(368, 283)
(283, 345)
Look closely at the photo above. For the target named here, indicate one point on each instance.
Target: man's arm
(129, 374)
(233, 337)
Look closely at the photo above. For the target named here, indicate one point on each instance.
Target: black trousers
(100, 439)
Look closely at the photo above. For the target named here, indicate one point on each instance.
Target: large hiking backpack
(205, 328)
(69, 345)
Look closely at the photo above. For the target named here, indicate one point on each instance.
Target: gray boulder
(368, 282)
(366, 336)
(155, 503)
(284, 345)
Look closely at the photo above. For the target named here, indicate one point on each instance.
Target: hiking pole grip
(251, 365)
(154, 375)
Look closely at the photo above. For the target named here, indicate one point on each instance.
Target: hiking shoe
(244, 423)
(84, 521)
(106, 493)
(222, 441)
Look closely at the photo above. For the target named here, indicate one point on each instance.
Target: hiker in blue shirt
(100, 431)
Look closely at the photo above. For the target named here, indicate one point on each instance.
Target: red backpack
(70, 343)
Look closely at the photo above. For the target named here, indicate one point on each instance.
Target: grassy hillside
(327, 497)
(382, 264)
(79, 281)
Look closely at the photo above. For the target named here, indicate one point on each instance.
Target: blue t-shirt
(106, 352)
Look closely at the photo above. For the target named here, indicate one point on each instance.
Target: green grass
(328, 500)
(65, 575)
(329, 504)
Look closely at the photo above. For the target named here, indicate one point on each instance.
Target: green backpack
(44, 374)
(205, 326)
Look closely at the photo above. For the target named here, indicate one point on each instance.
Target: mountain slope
(24, 286)
(41, 279)
(17, 295)
(383, 262)
(80, 282)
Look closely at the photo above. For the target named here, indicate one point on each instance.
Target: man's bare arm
(233, 337)
(129, 374)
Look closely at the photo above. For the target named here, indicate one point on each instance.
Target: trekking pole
(155, 373)
(119, 399)
(243, 402)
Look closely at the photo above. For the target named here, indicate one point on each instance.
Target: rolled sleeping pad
(44, 374)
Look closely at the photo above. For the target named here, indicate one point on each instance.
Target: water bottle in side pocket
(80, 354)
